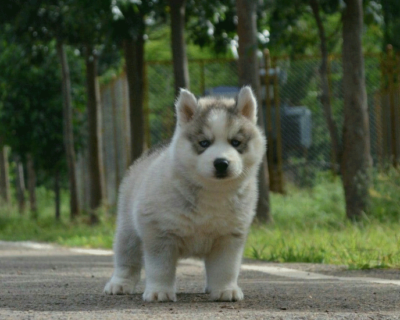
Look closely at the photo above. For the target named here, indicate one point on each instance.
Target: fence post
(268, 123)
(147, 137)
(390, 67)
(278, 127)
(202, 78)
(334, 161)
(383, 92)
(126, 120)
(378, 126)
(115, 133)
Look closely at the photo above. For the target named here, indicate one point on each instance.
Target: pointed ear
(247, 104)
(186, 106)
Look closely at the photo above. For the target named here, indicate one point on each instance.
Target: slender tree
(68, 130)
(89, 19)
(134, 59)
(96, 167)
(179, 57)
(249, 75)
(129, 27)
(325, 92)
(356, 161)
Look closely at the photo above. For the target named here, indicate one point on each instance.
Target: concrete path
(47, 282)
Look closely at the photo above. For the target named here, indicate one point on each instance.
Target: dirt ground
(56, 283)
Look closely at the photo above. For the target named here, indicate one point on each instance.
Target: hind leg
(127, 262)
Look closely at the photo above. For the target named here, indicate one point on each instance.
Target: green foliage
(212, 24)
(158, 46)
(391, 26)
(31, 103)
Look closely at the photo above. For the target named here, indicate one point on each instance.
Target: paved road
(47, 282)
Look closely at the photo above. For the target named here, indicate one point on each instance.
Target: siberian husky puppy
(195, 197)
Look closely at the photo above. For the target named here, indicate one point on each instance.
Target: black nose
(221, 165)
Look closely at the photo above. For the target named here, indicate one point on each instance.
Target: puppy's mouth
(221, 175)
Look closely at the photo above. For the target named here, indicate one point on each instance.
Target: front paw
(232, 294)
(159, 295)
(118, 285)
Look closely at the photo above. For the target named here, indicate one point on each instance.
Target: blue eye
(235, 143)
(205, 143)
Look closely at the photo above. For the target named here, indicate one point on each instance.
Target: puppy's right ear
(186, 106)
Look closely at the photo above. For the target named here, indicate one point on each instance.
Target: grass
(16, 227)
(309, 226)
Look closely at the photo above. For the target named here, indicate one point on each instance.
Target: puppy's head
(217, 139)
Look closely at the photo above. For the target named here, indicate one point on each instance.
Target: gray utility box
(223, 91)
(296, 126)
(295, 121)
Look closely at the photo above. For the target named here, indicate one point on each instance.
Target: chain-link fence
(299, 139)
(306, 141)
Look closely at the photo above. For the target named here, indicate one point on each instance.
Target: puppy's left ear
(247, 104)
(186, 106)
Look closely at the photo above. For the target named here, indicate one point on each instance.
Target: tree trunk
(249, 75)
(96, 169)
(4, 174)
(57, 198)
(325, 95)
(181, 71)
(134, 59)
(356, 160)
(68, 130)
(20, 185)
(32, 186)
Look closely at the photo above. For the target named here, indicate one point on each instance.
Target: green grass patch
(309, 226)
(21, 227)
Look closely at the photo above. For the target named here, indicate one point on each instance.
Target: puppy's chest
(212, 215)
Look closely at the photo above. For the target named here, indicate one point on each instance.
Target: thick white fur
(171, 206)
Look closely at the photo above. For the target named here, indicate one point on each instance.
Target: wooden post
(32, 186)
(384, 92)
(268, 123)
(391, 65)
(115, 134)
(147, 135)
(4, 174)
(378, 126)
(278, 128)
(20, 184)
(126, 117)
(202, 78)
(334, 160)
